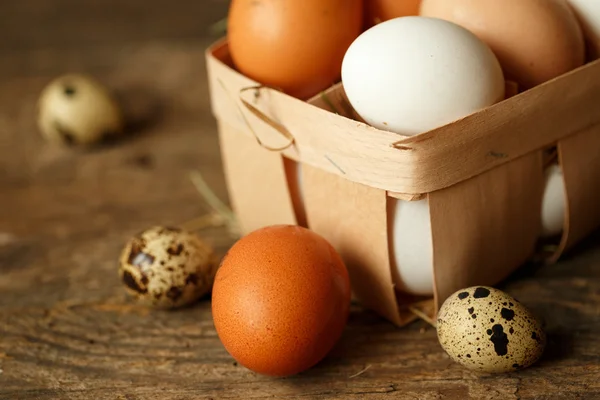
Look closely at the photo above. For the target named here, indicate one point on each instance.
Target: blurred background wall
(32, 31)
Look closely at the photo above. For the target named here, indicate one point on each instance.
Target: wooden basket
(482, 175)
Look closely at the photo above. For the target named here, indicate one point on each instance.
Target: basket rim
(512, 128)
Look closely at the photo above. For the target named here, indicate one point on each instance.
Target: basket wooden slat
(579, 156)
(256, 181)
(485, 227)
(353, 218)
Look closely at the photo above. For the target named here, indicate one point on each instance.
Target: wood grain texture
(67, 329)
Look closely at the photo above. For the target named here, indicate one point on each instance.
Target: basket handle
(282, 130)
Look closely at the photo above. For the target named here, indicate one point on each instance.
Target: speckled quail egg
(487, 330)
(76, 109)
(167, 267)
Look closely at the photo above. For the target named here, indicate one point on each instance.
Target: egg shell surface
(78, 109)
(535, 40)
(399, 77)
(411, 246)
(553, 202)
(588, 15)
(377, 11)
(297, 46)
(280, 300)
(487, 330)
(167, 267)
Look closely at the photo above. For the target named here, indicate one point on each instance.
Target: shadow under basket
(483, 177)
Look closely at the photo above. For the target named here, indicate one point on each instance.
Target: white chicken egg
(411, 250)
(553, 202)
(413, 74)
(588, 14)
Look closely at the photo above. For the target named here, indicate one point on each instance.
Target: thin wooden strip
(225, 85)
(485, 227)
(346, 213)
(425, 310)
(580, 161)
(293, 171)
(430, 161)
(256, 181)
(265, 118)
(406, 196)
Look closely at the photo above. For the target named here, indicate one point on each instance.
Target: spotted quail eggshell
(487, 330)
(76, 109)
(167, 267)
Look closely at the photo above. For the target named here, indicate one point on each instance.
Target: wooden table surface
(67, 329)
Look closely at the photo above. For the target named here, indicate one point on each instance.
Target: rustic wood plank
(67, 330)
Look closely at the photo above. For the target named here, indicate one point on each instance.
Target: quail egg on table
(78, 110)
(167, 267)
(487, 330)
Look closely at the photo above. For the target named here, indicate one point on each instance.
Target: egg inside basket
(482, 178)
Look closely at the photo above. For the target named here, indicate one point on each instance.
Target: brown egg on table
(487, 330)
(534, 40)
(377, 11)
(295, 46)
(280, 300)
(167, 268)
(77, 109)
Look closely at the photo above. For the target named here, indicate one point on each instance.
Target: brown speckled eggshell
(77, 109)
(167, 267)
(487, 330)
(280, 300)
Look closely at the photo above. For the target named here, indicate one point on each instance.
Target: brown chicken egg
(280, 300)
(534, 40)
(377, 11)
(296, 46)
